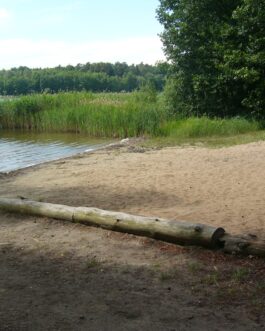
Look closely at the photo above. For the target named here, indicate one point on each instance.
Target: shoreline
(197, 184)
(114, 145)
(89, 150)
(90, 278)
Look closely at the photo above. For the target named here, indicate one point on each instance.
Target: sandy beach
(223, 187)
(56, 275)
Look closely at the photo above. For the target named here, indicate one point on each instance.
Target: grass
(119, 115)
(93, 263)
(210, 132)
(97, 115)
(240, 274)
(194, 267)
(211, 142)
(194, 127)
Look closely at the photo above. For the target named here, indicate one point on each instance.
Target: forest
(93, 77)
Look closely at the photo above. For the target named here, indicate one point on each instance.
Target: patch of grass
(156, 266)
(240, 274)
(93, 263)
(207, 132)
(260, 287)
(212, 278)
(211, 142)
(195, 127)
(194, 267)
(166, 275)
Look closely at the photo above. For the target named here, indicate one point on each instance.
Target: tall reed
(111, 115)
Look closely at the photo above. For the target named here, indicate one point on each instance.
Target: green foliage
(246, 59)
(95, 77)
(98, 115)
(217, 51)
(194, 127)
(171, 100)
(147, 93)
(112, 115)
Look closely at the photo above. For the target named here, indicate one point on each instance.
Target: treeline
(217, 51)
(94, 77)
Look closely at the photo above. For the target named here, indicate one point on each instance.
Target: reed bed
(111, 115)
(99, 115)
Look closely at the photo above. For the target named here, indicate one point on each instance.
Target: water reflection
(20, 150)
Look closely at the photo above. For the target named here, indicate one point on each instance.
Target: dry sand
(56, 275)
(223, 187)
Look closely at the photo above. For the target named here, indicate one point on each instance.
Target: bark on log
(178, 232)
(244, 245)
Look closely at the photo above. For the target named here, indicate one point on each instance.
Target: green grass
(209, 132)
(195, 127)
(211, 142)
(98, 115)
(240, 274)
(93, 263)
(119, 115)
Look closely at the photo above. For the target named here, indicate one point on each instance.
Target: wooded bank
(173, 231)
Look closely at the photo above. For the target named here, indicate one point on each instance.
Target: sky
(47, 33)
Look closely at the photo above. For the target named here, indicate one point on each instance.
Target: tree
(217, 53)
(95, 77)
(246, 60)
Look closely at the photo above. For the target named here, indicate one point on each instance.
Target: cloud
(45, 53)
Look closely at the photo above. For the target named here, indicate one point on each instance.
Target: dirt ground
(56, 275)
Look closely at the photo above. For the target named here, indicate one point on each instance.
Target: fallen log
(178, 232)
(243, 245)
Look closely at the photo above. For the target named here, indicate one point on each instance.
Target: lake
(20, 150)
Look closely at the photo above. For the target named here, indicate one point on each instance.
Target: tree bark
(243, 245)
(178, 232)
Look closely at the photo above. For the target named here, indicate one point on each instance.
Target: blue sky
(52, 32)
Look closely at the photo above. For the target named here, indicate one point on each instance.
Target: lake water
(21, 150)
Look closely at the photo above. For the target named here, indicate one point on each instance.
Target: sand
(57, 275)
(223, 187)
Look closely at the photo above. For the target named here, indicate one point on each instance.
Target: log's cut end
(216, 236)
(207, 236)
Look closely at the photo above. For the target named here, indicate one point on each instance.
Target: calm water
(19, 150)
